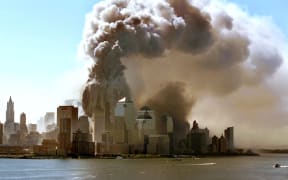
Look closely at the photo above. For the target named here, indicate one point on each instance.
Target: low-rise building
(48, 148)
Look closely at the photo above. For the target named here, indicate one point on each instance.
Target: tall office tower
(1, 133)
(125, 122)
(102, 121)
(229, 136)
(23, 126)
(70, 112)
(64, 136)
(49, 121)
(222, 144)
(9, 126)
(119, 127)
(215, 145)
(67, 117)
(198, 139)
(130, 114)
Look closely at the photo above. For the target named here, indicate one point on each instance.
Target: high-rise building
(229, 136)
(130, 114)
(82, 144)
(70, 112)
(168, 124)
(1, 133)
(67, 117)
(215, 145)
(222, 144)
(64, 136)
(23, 126)
(198, 139)
(49, 121)
(125, 122)
(9, 126)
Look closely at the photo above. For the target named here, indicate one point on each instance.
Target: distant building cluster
(15, 134)
(119, 130)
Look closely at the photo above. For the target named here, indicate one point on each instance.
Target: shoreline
(129, 156)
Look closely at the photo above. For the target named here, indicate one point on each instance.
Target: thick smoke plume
(144, 49)
(168, 101)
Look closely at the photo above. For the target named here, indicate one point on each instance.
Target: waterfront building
(15, 139)
(222, 144)
(67, 121)
(68, 112)
(82, 144)
(1, 133)
(33, 138)
(198, 139)
(215, 145)
(229, 136)
(64, 136)
(47, 148)
(12, 150)
(157, 144)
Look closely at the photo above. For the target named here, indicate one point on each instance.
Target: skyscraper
(23, 126)
(70, 112)
(1, 133)
(9, 126)
(67, 117)
(229, 136)
(64, 136)
(10, 111)
(197, 139)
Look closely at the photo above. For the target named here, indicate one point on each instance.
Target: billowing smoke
(162, 53)
(172, 100)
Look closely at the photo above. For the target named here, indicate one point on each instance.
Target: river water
(222, 168)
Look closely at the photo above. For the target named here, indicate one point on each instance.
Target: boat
(277, 165)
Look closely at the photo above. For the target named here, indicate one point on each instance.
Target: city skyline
(46, 68)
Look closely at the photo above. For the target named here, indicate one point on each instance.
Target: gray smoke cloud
(144, 49)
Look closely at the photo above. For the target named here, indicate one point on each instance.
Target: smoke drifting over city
(171, 54)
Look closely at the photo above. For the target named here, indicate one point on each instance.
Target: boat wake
(200, 164)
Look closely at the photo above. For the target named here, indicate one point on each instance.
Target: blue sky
(39, 39)
(276, 9)
(39, 42)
